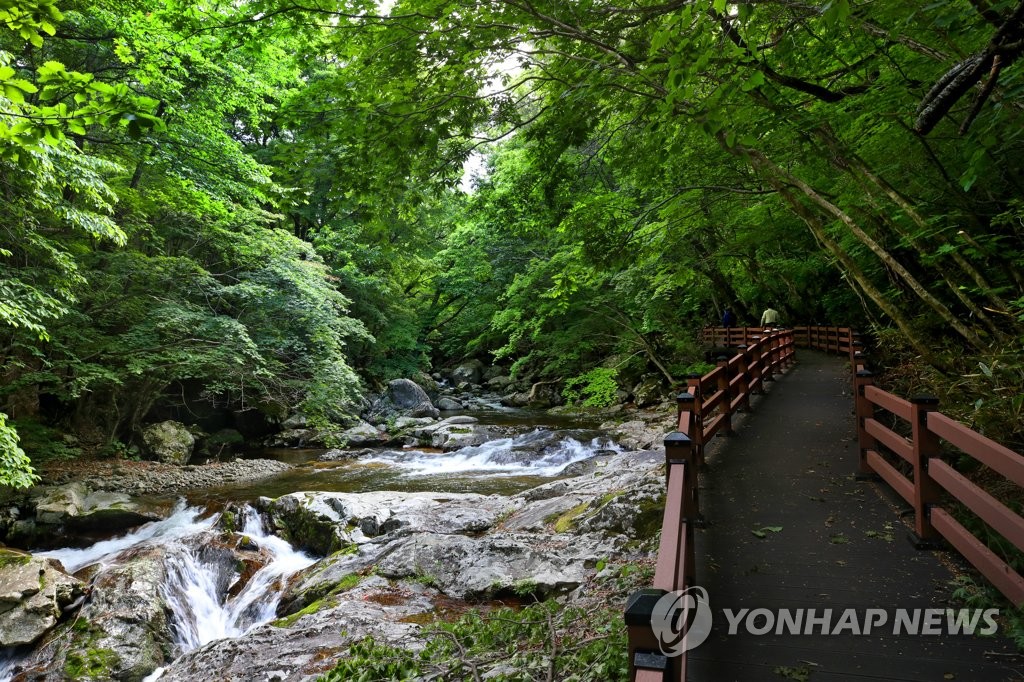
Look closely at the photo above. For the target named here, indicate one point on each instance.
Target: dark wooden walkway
(842, 545)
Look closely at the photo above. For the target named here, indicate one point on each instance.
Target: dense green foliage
(254, 206)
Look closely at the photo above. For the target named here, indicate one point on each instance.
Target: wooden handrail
(931, 478)
(754, 355)
(704, 409)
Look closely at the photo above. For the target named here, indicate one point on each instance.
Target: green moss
(90, 664)
(10, 559)
(319, 604)
(565, 521)
(227, 521)
(648, 521)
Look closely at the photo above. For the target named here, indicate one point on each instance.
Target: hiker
(728, 318)
(770, 317)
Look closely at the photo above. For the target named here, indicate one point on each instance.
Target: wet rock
(170, 442)
(121, 632)
(33, 594)
(76, 508)
(448, 404)
(303, 647)
(328, 522)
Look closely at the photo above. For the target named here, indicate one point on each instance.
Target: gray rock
(295, 438)
(457, 436)
(500, 382)
(122, 631)
(295, 421)
(479, 567)
(403, 398)
(328, 522)
(469, 372)
(406, 394)
(362, 435)
(648, 391)
(301, 649)
(448, 404)
(33, 591)
(169, 441)
(77, 508)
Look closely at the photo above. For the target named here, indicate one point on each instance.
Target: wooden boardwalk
(840, 544)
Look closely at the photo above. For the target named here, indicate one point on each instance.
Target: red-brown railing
(705, 409)
(751, 356)
(922, 478)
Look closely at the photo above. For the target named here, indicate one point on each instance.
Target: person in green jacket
(769, 317)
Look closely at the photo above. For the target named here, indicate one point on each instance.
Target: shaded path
(841, 545)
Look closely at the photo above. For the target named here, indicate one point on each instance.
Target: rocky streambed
(279, 587)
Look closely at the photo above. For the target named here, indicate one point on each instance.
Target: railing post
(744, 385)
(864, 410)
(757, 365)
(768, 359)
(644, 647)
(679, 451)
(926, 491)
(687, 423)
(723, 386)
(696, 433)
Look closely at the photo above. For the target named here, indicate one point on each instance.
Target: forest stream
(226, 560)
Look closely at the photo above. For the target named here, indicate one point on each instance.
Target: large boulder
(33, 593)
(362, 435)
(469, 372)
(122, 632)
(328, 522)
(447, 404)
(637, 434)
(77, 508)
(649, 391)
(402, 398)
(169, 441)
(466, 567)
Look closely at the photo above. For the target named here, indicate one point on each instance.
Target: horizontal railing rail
(704, 410)
(901, 443)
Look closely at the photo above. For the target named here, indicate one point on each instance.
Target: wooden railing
(911, 463)
(705, 409)
(751, 356)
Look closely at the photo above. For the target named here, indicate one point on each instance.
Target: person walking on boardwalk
(728, 318)
(770, 317)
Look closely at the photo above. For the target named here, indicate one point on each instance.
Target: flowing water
(504, 466)
(198, 590)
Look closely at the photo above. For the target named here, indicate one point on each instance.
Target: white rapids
(500, 457)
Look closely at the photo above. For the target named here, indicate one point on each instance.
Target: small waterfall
(537, 453)
(196, 595)
(184, 522)
(201, 570)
